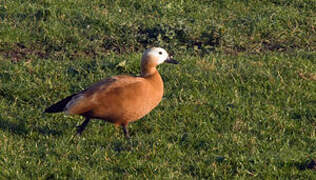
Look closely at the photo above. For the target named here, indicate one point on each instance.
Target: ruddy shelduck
(119, 99)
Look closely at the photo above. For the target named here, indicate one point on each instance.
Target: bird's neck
(153, 77)
(148, 71)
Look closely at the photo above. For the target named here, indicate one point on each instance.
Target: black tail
(59, 106)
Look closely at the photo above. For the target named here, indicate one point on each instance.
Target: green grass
(68, 29)
(241, 104)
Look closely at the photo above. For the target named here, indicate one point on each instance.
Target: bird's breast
(140, 104)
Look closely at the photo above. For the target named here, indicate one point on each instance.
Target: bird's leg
(125, 130)
(82, 126)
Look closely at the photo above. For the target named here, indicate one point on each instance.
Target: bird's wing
(87, 99)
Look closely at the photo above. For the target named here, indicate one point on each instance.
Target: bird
(120, 99)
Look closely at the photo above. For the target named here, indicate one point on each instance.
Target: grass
(240, 105)
(69, 29)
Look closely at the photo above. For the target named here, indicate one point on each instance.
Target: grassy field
(241, 103)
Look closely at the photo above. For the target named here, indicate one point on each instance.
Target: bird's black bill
(172, 61)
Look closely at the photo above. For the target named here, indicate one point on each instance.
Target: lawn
(241, 103)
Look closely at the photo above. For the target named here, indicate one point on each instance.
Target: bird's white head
(157, 56)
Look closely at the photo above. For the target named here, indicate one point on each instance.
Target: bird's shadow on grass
(13, 127)
(20, 128)
(47, 131)
(304, 165)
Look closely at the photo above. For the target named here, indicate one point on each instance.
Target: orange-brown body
(119, 99)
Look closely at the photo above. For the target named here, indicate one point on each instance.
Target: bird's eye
(160, 52)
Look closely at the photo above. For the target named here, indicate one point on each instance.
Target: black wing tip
(52, 110)
(59, 106)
